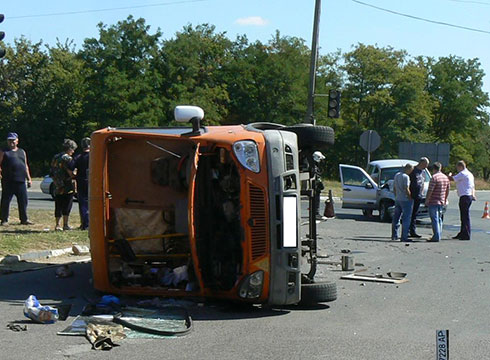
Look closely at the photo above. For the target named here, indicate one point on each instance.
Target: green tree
(123, 82)
(268, 82)
(456, 86)
(192, 66)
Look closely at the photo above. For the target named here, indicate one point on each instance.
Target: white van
(373, 189)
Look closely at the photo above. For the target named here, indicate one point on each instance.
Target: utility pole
(309, 118)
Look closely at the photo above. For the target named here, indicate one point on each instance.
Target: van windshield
(388, 174)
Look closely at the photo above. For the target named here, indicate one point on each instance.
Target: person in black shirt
(81, 166)
(14, 171)
(417, 181)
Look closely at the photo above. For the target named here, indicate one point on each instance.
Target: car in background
(47, 186)
(373, 189)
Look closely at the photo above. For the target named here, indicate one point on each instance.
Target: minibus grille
(259, 221)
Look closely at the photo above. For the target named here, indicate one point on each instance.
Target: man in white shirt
(465, 185)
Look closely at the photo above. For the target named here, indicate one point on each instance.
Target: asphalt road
(448, 288)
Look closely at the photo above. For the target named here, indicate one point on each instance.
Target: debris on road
(64, 271)
(38, 313)
(16, 327)
(80, 249)
(374, 278)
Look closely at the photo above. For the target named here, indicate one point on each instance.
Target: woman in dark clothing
(62, 173)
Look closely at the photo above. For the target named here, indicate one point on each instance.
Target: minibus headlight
(251, 287)
(247, 154)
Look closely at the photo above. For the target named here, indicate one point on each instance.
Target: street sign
(369, 140)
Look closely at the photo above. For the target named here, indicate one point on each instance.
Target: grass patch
(18, 239)
(333, 185)
(481, 184)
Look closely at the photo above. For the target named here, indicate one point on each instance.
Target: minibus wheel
(318, 292)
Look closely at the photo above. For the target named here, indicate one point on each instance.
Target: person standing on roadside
(417, 181)
(14, 171)
(465, 185)
(436, 199)
(403, 203)
(62, 173)
(81, 166)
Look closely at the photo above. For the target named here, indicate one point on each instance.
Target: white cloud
(252, 21)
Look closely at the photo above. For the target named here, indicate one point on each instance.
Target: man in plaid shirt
(436, 199)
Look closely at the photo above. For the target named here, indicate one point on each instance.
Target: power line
(471, 2)
(422, 19)
(103, 10)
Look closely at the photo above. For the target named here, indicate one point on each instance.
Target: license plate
(290, 221)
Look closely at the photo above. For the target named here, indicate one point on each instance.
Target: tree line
(130, 77)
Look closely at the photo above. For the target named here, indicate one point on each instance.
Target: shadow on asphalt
(77, 290)
(356, 217)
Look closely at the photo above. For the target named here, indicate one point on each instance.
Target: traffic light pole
(309, 118)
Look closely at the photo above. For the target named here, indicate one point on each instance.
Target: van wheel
(384, 214)
(318, 292)
(311, 136)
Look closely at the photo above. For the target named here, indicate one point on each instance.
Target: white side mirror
(184, 113)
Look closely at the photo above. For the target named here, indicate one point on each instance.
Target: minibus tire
(311, 136)
(318, 292)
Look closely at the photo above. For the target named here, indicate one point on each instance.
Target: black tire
(367, 213)
(318, 292)
(384, 214)
(51, 190)
(311, 136)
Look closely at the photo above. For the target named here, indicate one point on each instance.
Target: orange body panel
(222, 136)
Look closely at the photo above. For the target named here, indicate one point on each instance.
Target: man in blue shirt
(403, 203)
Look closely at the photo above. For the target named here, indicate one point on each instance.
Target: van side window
(354, 177)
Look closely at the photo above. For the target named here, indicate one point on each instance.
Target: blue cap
(12, 136)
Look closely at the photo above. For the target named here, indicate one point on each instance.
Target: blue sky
(343, 22)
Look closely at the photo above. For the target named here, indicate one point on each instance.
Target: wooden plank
(373, 278)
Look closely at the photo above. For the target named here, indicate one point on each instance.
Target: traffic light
(333, 104)
(2, 35)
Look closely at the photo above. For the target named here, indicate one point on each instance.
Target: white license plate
(290, 221)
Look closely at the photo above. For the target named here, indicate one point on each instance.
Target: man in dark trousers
(81, 166)
(417, 181)
(465, 185)
(14, 171)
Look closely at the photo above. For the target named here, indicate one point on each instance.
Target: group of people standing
(409, 188)
(69, 174)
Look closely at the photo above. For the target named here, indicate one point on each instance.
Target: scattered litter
(104, 337)
(347, 263)
(41, 314)
(16, 327)
(64, 271)
(374, 278)
(397, 275)
(137, 322)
